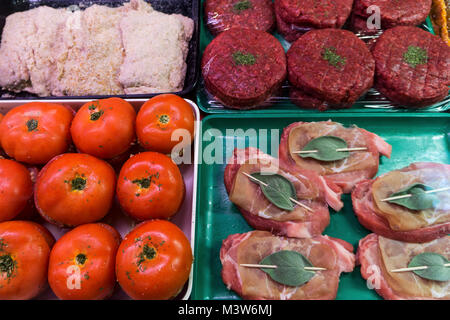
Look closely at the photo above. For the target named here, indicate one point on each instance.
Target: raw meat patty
(397, 222)
(378, 255)
(345, 173)
(412, 66)
(312, 190)
(243, 67)
(251, 283)
(331, 65)
(289, 31)
(315, 13)
(359, 24)
(395, 13)
(304, 100)
(223, 15)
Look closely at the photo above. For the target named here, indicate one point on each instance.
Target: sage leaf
(419, 200)
(326, 147)
(290, 268)
(277, 189)
(436, 266)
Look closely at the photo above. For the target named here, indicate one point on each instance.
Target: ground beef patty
(222, 15)
(359, 24)
(393, 12)
(315, 13)
(289, 31)
(307, 101)
(329, 65)
(242, 68)
(412, 66)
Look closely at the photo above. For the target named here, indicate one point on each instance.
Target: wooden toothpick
(265, 184)
(410, 195)
(339, 150)
(269, 266)
(352, 149)
(415, 268)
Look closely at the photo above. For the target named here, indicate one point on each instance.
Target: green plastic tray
(414, 137)
(370, 103)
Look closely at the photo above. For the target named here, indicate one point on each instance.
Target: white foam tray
(184, 218)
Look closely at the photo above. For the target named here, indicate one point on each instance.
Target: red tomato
(16, 189)
(82, 263)
(150, 186)
(74, 189)
(159, 117)
(24, 253)
(104, 128)
(36, 132)
(30, 212)
(154, 261)
(1, 118)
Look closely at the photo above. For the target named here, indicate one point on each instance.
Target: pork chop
(396, 222)
(252, 283)
(378, 255)
(345, 173)
(311, 189)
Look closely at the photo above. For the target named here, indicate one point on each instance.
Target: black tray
(188, 8)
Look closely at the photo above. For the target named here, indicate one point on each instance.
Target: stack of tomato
(72, 168)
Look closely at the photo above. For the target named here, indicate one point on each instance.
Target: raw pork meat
(378, 255)
(345, 173)
(252, 283)
(312, 190)
(397, 222)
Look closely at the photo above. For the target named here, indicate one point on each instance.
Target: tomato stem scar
(7, 265)
(78, 184)
(164, 119)
(32, 124)
(81, 258)
(96, 115)
(143, 183)
(147, 253)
